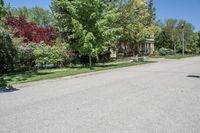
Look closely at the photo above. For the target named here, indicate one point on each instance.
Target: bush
(7, 53)
(51, 55)
(165, 51)
(156, 53)
(25, 57)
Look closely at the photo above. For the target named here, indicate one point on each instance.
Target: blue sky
(182, 9)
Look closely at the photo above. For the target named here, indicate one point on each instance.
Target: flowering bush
(55, 55)
(165, 51)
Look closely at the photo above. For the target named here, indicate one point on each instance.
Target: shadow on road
(7, 89)
(193, 76)
(4, 88)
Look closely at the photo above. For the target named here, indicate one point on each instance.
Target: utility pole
(183, 39)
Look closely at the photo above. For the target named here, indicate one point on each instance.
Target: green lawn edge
(32, 76)
(178, 56)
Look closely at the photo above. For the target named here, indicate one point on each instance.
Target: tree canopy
(88, 25)
(35, 14)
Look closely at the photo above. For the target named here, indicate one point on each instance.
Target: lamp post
(183, 39)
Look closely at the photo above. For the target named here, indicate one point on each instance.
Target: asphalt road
(161, 97)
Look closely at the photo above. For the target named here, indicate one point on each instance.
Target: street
(162, 97)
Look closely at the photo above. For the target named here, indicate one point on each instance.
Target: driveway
(162, 97)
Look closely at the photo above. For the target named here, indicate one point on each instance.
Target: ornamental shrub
(165, 51)
(8, 53)
(20, 27)
(51, 55)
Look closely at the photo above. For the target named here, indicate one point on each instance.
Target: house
(147, 47)
(127, 49)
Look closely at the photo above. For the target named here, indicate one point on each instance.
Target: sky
(188, 10)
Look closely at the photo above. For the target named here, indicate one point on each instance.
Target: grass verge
(177, 56)
(29, 76)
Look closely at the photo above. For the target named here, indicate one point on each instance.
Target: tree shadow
(7, 89)
(19, 77)
(193, 76)
(4, 88)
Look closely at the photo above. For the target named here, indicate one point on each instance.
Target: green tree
(152, 12)
(88, 26)
(135, 22)
(35, 14)
(2, 14)
(173, 30)
(198, 40)
(7, 53)
(40, 16)
(163, 40)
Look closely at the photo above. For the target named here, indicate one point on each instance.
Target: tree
(135, 22)
(35, 14)
(7, 49)
(163, 40)
(152, 12)
(198, 41)
(88, 26)
(172, 28)
(19, 27)
(173, 33)
(7, 53)
(2, 14)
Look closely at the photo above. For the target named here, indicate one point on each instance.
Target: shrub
(20, 27)
(7, 53)
(156, 53)
(55, 55)
(26, 57)
(165, 51)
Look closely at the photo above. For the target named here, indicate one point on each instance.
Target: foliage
(136, 23)
(152, 12)
(172, 35)
(2, 14)
(25, 57)
(163, 40)
(198, 40)
(165, 51)
(35, 14)
(56, 55)
(7, 53)
(193, 47)
(89, 25)
(30, 31)
(16, 78)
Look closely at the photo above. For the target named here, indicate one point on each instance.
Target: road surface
(162, 97)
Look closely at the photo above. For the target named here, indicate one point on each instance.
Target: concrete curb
(75, 76)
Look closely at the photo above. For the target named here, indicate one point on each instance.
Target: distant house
(126, 49)
(147, 47)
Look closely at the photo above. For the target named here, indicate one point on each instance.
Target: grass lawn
(29, 76)
(177, 56)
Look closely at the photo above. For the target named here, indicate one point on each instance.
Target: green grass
(29, 76)
(177, 56)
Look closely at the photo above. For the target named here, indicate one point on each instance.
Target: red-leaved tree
(30, 31)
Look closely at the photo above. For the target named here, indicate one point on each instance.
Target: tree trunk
(90, 60)
(174, 48)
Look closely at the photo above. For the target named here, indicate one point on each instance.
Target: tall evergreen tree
(198, 41)
(152, 11)
(2, 13)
